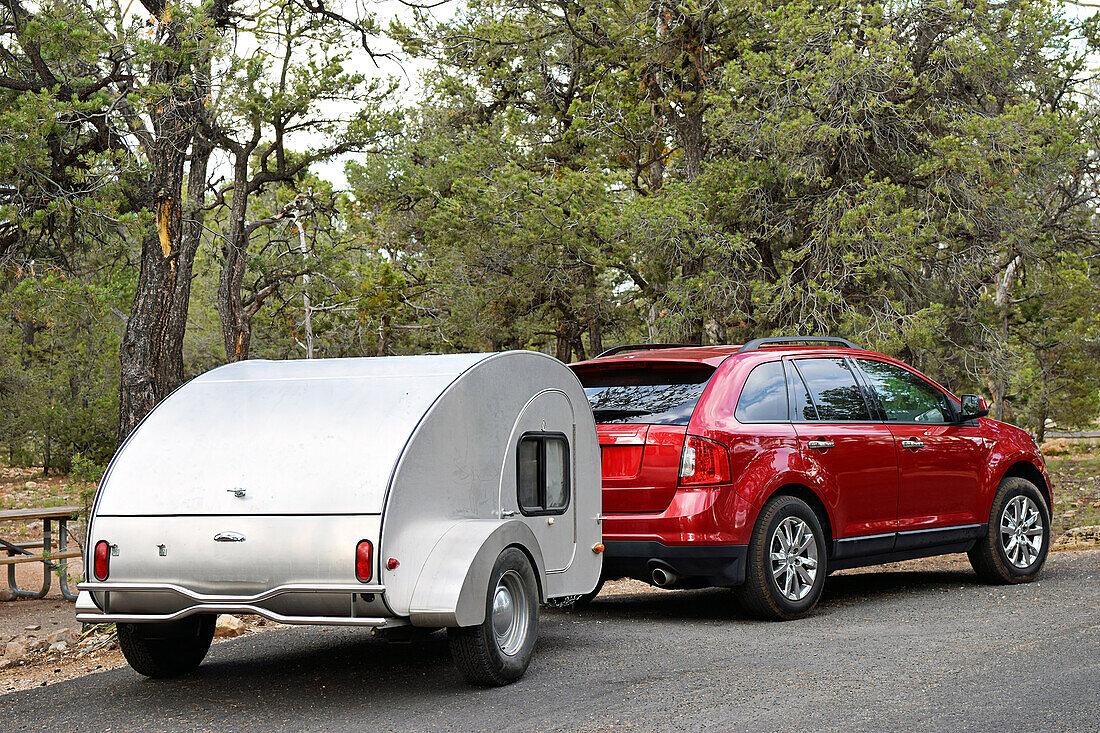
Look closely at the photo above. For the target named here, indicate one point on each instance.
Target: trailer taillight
(703, 462)
(363, 553)
(101, 565)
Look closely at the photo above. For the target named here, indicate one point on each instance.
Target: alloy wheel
(793, 552)
(1021, 531)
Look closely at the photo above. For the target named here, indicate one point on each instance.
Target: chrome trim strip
(943, 529)
(867, 537)
(911, 531)
(239, 600)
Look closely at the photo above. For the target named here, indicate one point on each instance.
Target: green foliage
(58, 392)
(917, 176)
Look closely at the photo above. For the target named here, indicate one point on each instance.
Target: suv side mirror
(973, 406)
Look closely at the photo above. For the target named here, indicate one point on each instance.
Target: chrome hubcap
(1021, 531)
(511, 617)
(793, 551)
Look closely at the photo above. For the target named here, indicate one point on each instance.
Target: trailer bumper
(114, 602)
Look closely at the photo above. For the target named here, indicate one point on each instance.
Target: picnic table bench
(42, 550)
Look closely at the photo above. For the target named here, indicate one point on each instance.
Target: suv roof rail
(775, 340)
(642, 347)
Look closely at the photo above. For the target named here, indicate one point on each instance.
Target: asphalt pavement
(902, 650)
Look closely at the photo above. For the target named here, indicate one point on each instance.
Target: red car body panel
(871, 488)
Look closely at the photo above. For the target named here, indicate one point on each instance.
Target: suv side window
(803, 404)
(905, 396)
(764, 396)
(836, 394)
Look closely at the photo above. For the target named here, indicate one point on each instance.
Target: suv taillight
(703, 462)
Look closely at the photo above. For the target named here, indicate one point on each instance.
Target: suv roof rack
(643, 347)
(775, 340)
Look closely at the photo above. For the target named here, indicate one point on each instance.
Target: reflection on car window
(764, 396)
(905, 396)
(653, 395)
(803, 404)
(834, 389)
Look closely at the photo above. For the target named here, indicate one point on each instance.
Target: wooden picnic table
(24, 552)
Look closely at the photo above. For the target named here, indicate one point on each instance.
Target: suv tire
(1018, 519)
(787, 561)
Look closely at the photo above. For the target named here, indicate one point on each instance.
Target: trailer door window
(542, 473)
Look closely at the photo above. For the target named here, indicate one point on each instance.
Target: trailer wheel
(162, 650)
(498, 650)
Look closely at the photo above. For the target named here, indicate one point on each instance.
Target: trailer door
(545, 476)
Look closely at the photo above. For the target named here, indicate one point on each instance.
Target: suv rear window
(641, 393)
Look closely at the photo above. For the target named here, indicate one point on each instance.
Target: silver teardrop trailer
(454, 491)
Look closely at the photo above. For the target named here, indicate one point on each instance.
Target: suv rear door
(849, 452)
(940, 462)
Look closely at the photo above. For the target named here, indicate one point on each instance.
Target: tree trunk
(236, 320)
(595, 338)
(1001, 300)
(151, 355)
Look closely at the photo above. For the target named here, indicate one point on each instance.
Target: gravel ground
(914, 646)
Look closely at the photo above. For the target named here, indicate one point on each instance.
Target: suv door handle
(820, 444)
(912, 444)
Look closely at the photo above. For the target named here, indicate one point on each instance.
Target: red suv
(769, 465)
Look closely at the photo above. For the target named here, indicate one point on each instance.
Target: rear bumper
(115, 602)
(722, 565)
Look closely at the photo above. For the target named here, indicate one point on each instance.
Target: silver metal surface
(469, 438)
(317, 436)
(912, 444)
(662, 577)
(1021, 531)
(307, 459)
(511, 613)
(451, 588)
(819, 444)
(189, 594)
(793, 551)
(235, 608)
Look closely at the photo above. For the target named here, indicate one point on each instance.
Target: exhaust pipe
(663, 578)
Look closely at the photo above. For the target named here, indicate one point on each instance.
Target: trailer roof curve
(251, 425)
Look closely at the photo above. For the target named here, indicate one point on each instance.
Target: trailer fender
(450, 590)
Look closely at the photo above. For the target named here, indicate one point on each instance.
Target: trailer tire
(498, 650)
(163, 650)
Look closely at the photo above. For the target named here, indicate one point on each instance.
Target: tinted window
(658, 395)
(835, 392)
(905, 396)
(803, 404)
(764, 396)
(542, 473)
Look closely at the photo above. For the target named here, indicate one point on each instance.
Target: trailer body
(252, 489)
